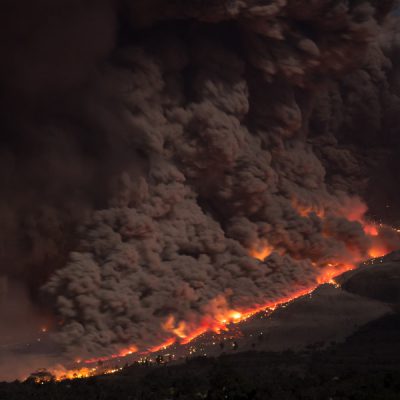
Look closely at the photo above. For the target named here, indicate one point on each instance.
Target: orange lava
(198, 332)
(329, 274)
(263, 253)
(59, 373)
(183, 332)
(178, 330)
(379, 246)
(126, 352)
(377, 251)
(162, 346)
(306, 210)
(222, 322)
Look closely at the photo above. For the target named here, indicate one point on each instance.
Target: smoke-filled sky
(154, 152)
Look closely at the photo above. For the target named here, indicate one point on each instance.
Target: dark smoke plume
(150, 149)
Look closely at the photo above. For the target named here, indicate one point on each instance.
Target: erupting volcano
(184, 333)
(173, 168)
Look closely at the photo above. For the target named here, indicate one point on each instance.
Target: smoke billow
(152, 150)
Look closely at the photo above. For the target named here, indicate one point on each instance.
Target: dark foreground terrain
(366, 366)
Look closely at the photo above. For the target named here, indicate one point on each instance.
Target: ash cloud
(149, 152)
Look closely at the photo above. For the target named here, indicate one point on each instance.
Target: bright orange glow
(217, 325)
(74, 373)
(178, 330)
(377, 251)
(128, 351)
(60, 373)
(219, 316)
(262, 253)
(198, 332)
(370, 229)
(329, 274)
(353, 210)
(161, 346)
(306, 210)
(378, 247)
(222, 322)
(235, 315)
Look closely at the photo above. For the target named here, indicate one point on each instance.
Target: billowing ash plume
(213, 161)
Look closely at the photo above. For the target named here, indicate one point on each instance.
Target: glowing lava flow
(183, 333)
(217, 325)
(59, 374)
(232, 317)
(384, 239)
(354, 210)
(122, 353)
(162, 346)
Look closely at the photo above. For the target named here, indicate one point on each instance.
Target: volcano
(169, 170)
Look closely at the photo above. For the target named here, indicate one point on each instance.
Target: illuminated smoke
(209, 162)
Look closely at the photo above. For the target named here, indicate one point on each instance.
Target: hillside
(365, 366)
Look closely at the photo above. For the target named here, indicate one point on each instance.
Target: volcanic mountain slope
(330, 314)
(379, 279)
(364, 366)
(326, 316)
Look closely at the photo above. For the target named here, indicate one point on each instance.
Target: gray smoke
(212, 130)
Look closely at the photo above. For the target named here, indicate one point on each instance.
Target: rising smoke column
(203, 154)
